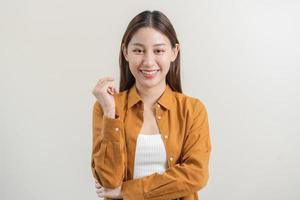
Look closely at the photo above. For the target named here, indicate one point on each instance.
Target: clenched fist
(104, 91)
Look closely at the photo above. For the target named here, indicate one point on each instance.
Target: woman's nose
(149, 59)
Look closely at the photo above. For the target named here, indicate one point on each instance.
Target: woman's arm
(181, 179)
(108, 155)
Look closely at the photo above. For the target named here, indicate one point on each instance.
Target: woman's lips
(149, 70)
(149, 73)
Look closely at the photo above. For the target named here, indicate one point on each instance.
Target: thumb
(115, 90)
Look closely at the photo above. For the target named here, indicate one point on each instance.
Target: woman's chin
(149, 84)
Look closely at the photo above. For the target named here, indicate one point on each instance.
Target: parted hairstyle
(158, 21)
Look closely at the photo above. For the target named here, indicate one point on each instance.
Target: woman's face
(149, 55)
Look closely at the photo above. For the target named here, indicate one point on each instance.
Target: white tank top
(150, 155)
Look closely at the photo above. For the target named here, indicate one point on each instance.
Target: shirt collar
(166, 99)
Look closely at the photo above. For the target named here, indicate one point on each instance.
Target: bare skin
(150, 98)
(149, 126)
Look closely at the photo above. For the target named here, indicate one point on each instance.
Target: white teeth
(149, 73)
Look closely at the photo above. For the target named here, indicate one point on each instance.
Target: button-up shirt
(183, 124)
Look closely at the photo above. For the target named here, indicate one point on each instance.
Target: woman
(150, 141)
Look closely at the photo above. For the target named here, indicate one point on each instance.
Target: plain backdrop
(240, 57)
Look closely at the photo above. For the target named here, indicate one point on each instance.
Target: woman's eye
(159, 51)
(137, 51)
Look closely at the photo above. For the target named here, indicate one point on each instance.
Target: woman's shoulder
(188, 101)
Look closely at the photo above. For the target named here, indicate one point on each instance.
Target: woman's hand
(102, 192)
(103, 91)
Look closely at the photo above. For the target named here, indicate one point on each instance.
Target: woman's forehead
(149, 37)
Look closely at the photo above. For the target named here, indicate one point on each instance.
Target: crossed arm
(180, 180)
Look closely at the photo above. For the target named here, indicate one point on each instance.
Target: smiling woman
(149, 54)
(150, 141)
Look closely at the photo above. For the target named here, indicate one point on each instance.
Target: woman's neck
(150, 95)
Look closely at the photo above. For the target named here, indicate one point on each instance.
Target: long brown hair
(161, 23)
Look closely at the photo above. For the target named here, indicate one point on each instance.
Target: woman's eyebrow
(139, 44)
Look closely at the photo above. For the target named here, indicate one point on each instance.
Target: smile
(149, 74)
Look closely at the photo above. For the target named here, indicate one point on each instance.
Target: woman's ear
(124, 51)
(175, 51)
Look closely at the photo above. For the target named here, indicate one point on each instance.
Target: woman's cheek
(135, 61)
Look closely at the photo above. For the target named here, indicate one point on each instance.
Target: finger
(104, 84)
(99, 88)
(97, 182)
(101, 195)
(112, 89)
(115, 90)
(99, 191)
(107, 84)
(98, 186)
(105, 79)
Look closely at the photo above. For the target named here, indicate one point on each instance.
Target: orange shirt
(183, 125)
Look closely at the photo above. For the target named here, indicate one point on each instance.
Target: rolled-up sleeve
(108, 159)
(184, 178)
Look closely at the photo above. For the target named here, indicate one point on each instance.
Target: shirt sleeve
(108, 160)
(183, 178)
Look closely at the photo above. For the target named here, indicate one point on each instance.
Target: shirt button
(171, 158)
(158, 105)
(116, 129)
(166, 137)
(158, 117)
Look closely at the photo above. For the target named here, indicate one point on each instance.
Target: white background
(241, 58)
